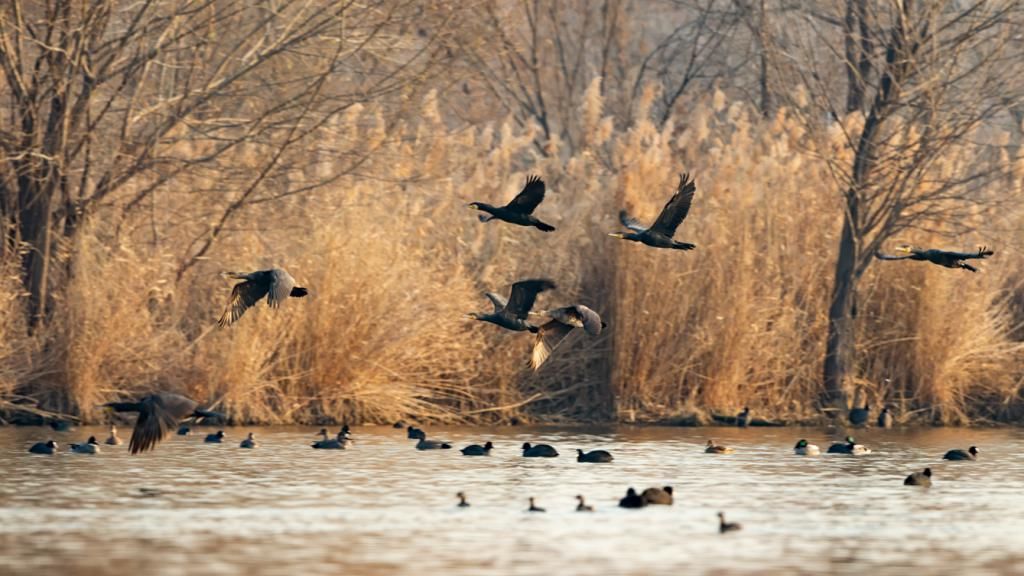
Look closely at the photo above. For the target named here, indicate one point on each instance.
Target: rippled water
(386, 508)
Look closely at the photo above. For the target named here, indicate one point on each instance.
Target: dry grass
(394, 260)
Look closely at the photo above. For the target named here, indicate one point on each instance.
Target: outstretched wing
(881, 256)
(156, 421)
(281, 284)
(631, 223)
(548, 338)
(529, 198)
(524, 294)
(579, 316)
(243, 296)
(498, 300)
(676, 209)
(982, 252)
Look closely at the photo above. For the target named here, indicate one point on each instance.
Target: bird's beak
(616, 235)
(471, 207)
(470, 316)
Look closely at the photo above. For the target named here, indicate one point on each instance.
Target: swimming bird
(632, 500)
(48, 447)
(513, 314)
(919, 478)
(659, 235)
(478, 450)
(969, 454)
(885, 418)
(859, 416)
(743, 418)
(583, 506)
(658, 495)
(425, 444)
(398, 425)
(711, 448)
(802, 448)
(215, 438)
(534, 508)
(184, 430)
(159, 413)
(539, 451)
(941, 257)
(276, 284)
(113, 440)
(462, 500)
(413, 433)
(520, 209)
(249, 442)
(848, 447)
(562, 322)
(91, 446)
(339, 442)
(724, 526)
(593, 456)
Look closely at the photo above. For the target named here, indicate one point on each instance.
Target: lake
(384, 508)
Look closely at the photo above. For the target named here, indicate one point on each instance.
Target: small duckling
(849, 447)
(539, 451)
(885, 418)
(478, 450)
(425, 444)
(711, 448)
(534, 508)
(919, 478)
(743, 418)
(90, 447)
(583, 506)
(184, 430)
(724, 526)
(593, 456)
(249, 442)
(802, 448)
(48, 447)
(215, 438)
(113, 440)
(632, 500)
(462, 500)
(969, 454)
(661, 496)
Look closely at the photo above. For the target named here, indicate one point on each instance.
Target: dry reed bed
(394, 260)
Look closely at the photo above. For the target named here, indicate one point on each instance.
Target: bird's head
(905, 248)
(473, 315)
(473, 206)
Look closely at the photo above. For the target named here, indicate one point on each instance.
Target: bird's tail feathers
(544, 227)
(683, 246)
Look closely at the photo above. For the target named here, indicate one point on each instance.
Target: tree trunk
(841, 343)
(858, 48)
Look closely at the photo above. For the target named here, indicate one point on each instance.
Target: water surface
(385, 508)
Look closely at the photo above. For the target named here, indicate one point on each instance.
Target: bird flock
(161, 412)
(155, 409)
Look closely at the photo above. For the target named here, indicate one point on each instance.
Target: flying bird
(513, 313)
(520, 209)
(159, 413)
(940, 257)
(562, 322)
(276, 284)
(659, 235)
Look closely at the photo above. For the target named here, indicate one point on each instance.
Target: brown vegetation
(361, 197)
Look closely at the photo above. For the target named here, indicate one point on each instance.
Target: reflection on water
(386, 508)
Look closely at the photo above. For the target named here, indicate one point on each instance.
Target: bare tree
(940, 71)
(108, 102)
